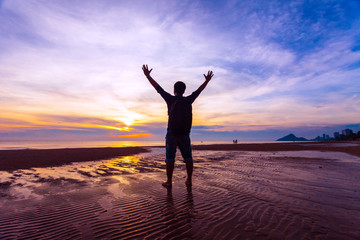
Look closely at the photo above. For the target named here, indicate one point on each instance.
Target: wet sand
(302, 194)
(346, 147)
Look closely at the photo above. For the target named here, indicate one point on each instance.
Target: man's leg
(169, 174)
(170, 159)
(185, 149)
(189, 170)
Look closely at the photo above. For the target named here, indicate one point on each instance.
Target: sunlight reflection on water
(37, 182)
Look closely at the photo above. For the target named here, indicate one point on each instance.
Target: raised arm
(207, 80)
(147, 72)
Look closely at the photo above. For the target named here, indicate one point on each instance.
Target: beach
(240, 191)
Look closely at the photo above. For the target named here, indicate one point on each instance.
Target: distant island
(345, 135)
(292, 137)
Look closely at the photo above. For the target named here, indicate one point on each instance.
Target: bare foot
(167, 184)
(188, 183)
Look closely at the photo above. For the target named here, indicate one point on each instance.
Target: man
(179, 124)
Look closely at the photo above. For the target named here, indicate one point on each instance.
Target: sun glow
(129, 118)
(127, 121)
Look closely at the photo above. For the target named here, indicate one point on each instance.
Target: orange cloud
(134, 135)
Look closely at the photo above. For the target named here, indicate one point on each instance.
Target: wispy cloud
(294, 64)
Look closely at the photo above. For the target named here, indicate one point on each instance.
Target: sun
(127, 121)
(129, 118)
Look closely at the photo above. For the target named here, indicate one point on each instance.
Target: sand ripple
(236, 195)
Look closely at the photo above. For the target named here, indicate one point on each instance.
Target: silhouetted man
(179, 124)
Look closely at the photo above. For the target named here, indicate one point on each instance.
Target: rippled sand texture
(236, 195)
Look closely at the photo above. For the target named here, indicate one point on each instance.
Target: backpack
(180, 117)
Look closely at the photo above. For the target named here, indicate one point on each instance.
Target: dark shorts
(181, 141)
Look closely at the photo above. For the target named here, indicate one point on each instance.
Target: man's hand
(208, 76)
(207, 79)
(146, 70)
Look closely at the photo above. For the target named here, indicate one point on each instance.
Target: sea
(14, 145)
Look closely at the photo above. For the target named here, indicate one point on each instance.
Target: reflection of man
(179, 124)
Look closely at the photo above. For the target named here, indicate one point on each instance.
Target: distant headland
(345, 135)
(292, 137)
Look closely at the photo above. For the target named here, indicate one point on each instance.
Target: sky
(71, 69)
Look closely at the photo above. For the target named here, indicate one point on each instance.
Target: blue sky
(70, 69)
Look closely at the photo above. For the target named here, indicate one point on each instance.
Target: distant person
(179, 124)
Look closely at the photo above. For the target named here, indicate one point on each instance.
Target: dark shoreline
(28, 158)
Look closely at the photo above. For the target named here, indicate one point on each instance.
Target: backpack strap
(172, 107)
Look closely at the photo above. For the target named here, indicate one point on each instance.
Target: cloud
(275, 64)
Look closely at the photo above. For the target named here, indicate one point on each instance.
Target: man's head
(179, 88)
